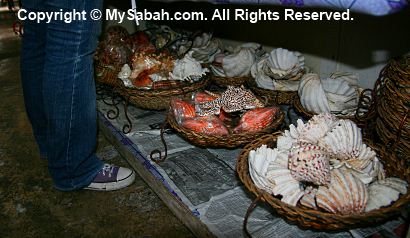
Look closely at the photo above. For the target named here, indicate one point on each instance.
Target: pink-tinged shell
(182, 110)
(207, 125)
(309, 163)
(202, 97)
(256, 120)
(345, 195)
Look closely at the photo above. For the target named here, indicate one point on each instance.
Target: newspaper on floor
(206, 181)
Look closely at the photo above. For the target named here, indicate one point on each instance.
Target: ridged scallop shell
(187, 68)
(345, 195)
(237, 64)
(285, 185)
(284, 64)
(201, 40)
(309, 163)
(384, 192)
(308, 199)
(345, 142)
(259, 161)
(312, 95)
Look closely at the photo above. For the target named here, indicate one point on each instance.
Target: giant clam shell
(284, 64)
(338, 93)
(237, 64)
(311, 93)
(384, 192)
(309, 163)
(345, 195)
(259, 161)
(206, 53)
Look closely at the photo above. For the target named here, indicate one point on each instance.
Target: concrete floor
(30, 207)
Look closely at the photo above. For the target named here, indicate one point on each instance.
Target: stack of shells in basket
(393, 106)
(338, 94)
(161, 71)
(211, 114)
(325, 165)
(118, 45)
(280, 70)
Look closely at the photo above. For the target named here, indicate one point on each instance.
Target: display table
(200, 186)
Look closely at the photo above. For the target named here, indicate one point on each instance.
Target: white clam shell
(311, 93)
(384, 192)
(345, 142)
(346, 194)
(259, 161)
(206, 53)
(338, 93)
(284, 64)
(237, 64)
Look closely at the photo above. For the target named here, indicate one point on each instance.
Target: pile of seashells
(337, 94)
(324, 165)
(148, 69)
(279, 70)
(237, 63)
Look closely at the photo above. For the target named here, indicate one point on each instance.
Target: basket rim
(304, 215)
(166, 91)
(230, 141)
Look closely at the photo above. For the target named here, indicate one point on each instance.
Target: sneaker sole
(113, 185)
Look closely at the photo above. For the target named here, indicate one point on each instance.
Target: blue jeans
(59, 91)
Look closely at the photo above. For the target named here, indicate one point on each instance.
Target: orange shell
(256, 120)
(207, 125)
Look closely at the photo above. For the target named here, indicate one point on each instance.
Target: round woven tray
(230, 141)
(106, 74)
(313, 219)
(273, 97)
(159, 99)
(224, 82)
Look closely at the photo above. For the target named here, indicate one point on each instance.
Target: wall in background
(362, 46)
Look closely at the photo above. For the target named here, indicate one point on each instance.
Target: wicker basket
(231, 141)
(313, 219)
(392, 102)
(224, 82)
(273, 97)
(159, 99)
(106, 74)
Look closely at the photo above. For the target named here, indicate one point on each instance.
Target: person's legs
(59, 93)
(32, 66)
(69, 97)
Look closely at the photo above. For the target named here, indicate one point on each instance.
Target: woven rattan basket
(392, 99)
(273, 97)
(106, 74)
(313, 219)
(230, 141)
(224, 82)
(159, 99)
